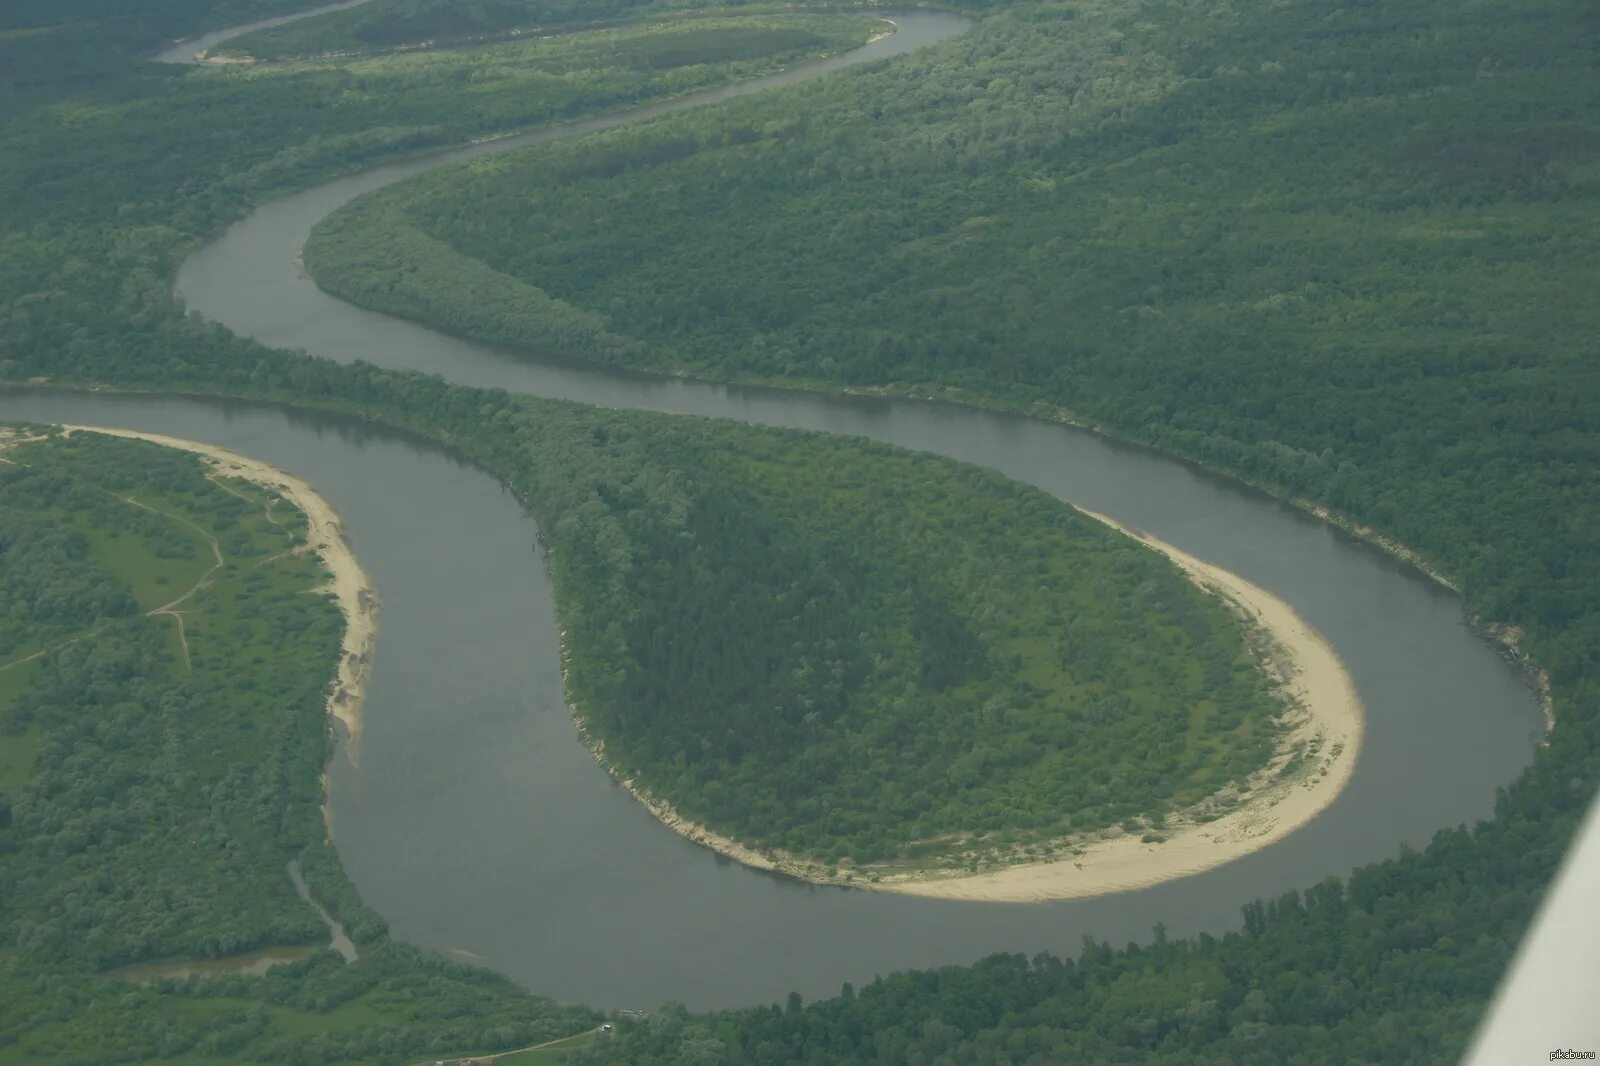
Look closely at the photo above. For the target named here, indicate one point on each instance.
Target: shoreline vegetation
(999, 620)
(1491, 478)
(349, 584)
(1314, 461)
(1313, 763)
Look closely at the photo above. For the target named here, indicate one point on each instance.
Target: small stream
(250, 963)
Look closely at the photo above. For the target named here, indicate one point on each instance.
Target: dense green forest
(1477, 447)
(1345, 251)
(129, 26)
(121, 680)
(159, 769)
(841, 649)
(1057, 684)
(47, 43)
(1392, 259)
(1342, 250)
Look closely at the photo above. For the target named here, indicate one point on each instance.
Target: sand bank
(350, 585)
(1313, 763)
(1325, 735)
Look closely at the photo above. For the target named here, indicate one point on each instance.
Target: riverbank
(1313, 762)
(349, 584)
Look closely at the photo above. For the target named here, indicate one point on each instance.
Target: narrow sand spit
(1325, 735)
(350, 585)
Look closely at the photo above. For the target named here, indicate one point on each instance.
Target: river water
(188, 49)
(477, 824)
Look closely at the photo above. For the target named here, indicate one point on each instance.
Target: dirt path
(69, 642)
(350, 585)
(476, 1059)
(171, 609)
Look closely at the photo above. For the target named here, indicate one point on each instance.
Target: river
(477, 824)
(188, 49)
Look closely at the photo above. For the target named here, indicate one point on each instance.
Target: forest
(799, 581)
(159, 771)
(1446, 399)
(1345, 262)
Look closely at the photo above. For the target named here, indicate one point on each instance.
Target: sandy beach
(1327, 727)
(350, 585)
(1326, 722)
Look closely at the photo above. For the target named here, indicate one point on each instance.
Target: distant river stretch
(478, 825)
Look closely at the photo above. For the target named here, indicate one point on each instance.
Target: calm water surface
(475, 821)
(186, 50)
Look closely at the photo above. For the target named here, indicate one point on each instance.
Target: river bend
(479, 826)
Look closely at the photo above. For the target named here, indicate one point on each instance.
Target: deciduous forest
(1341, 251)
(163, 747)
(840, 649)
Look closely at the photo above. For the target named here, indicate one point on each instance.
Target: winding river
(478, 825)
(189, 49)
